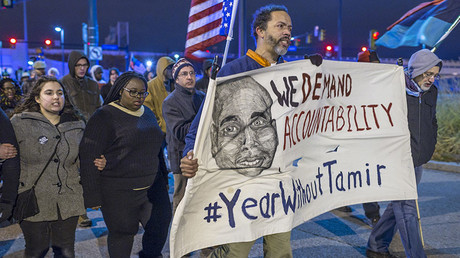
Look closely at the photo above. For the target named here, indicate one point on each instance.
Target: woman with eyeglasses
(127, 190)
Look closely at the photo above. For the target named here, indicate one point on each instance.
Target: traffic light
(329, 49)
(13, 42)
(308, 39)
(322, 35)
(373, 36)
(7, 3)
(48, 43)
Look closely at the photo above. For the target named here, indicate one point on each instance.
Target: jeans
(60, 234)
(402, 216)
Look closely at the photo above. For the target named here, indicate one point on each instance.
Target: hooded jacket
(83, 92)
(58, 190)
(93, 70)
(158, 92)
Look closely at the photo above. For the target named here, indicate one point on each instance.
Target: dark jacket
(423, 126)
(202, 84)
(83, 92)
(9, 169)
(179, 109)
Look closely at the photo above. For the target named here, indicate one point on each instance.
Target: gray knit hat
(422, 61)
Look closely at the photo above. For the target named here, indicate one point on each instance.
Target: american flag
(208, 24)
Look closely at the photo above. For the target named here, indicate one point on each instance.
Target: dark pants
(39, 235)
(156, 229)
(124, 209)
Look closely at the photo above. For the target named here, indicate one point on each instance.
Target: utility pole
(93, 28)
(339, 29)
(242, 46)
(24, 13)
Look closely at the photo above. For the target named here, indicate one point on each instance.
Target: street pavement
(333, 234)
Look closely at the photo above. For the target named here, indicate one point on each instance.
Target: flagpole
(230, 32)
(451, 28)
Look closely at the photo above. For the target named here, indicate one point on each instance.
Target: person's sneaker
(372, 254)
(84, 221)
(344, 209)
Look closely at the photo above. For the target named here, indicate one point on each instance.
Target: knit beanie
(422, 61)
(181, 63)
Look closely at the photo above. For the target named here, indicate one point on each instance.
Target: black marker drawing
(243, 133)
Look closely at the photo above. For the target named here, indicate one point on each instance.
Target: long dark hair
(120, 83)
(30, 105)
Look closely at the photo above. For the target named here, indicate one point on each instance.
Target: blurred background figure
(202, 84)
(113, 75)
(53, 71)
(10, 95)
(96, 73)
(38, 72)
(24, 77)
(149, 75)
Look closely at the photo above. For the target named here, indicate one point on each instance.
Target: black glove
(6, 210)
(316, 59)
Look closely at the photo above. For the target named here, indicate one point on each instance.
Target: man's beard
(277, 47)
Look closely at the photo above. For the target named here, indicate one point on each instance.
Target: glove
(6, 210)
(316, 59)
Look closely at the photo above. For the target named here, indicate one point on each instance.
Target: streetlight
(61, 30)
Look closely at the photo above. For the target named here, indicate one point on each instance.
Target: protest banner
(280, 145)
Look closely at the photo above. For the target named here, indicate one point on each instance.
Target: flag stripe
(425, 25)
(199, 6)
(206, 12)
(204, 29)
(202, 37)
(204, 21)
(211, 41)
(414, 10)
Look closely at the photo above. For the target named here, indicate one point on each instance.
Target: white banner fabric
(292, 141)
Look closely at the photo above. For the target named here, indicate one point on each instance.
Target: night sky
(160, 25)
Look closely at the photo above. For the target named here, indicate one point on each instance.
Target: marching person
(49, 160)
(128, 190)
(421, 94)
(179, 109)
(9, 167)
(271, 29)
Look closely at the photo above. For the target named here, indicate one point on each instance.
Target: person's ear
(260, 32)
(37, 99)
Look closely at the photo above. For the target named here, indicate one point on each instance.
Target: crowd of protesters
(100, 144)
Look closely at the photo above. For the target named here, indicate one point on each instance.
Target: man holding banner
(271, 29)
(421, 93)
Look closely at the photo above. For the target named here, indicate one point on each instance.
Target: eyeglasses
(81, 65)
(436, 76)
(185, 74)
(137, 94)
